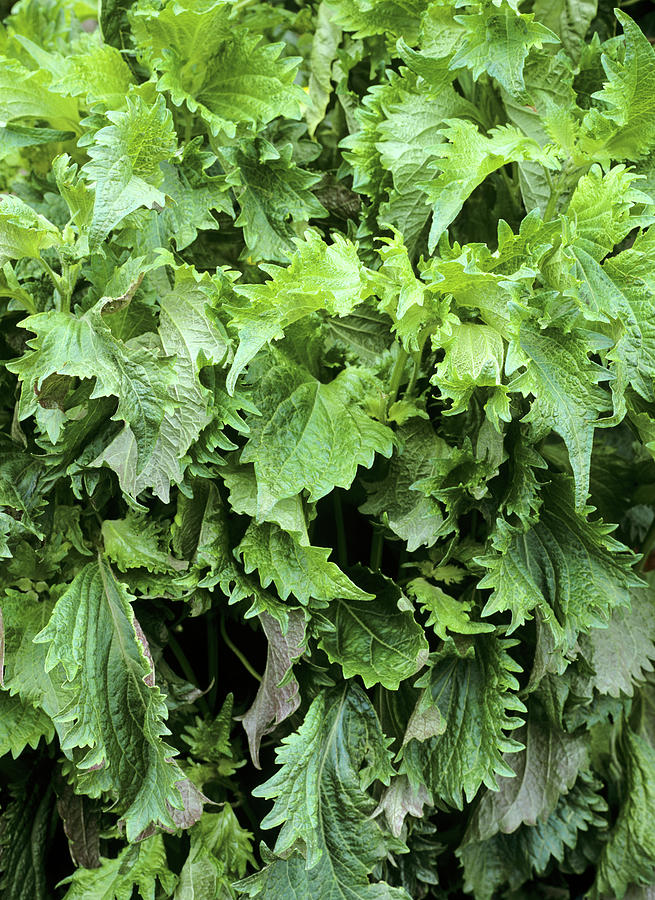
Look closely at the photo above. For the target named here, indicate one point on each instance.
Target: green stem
(416, 358)
(212, 661)
(551, 206)
(377, 546)
(342, 547)
(56, 279)
(239, 655)
(647, 546)
(397, 376)
(187, 671)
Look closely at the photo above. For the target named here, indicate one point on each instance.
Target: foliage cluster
(327, 479)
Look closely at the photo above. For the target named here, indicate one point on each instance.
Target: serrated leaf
(22, 725)
(219, 70)
(625, 130)
(288, 514)
(91, 633)
(23, 838)
(515, 858)
(474, 690)
(303, 571)
(543, 772)
(565, 565)
(565, 385)
(313, 436)
(125, 163)
(274, 195)
(322, 803)
(25, 93)
(445, 613)
(23, 232)
(497, 40)
(278, 695)
(621, 654)
(466, 159)
(411, 515)
(143, 867)
(629, 855)
(320, 276)
(135, 542)
(220, 852)
(192, 335)
(85, 347)
(381, 642)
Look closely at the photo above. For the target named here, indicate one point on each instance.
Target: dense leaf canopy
(327, 451)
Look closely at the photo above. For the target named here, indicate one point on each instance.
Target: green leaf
(621, 654)
(472, 686)
(220, 852)
(601, 207)
(93, 71)
(381, 642)
(474, 358)
(370, 17)
(141, 867)
(274, 195)
(566, 566)
(322, 804)
(85, 347)
(516, 858)
(327, 38)
(135, 542)
(23, 232)
(568, 19)
(112, 20)
(320, 276)
(445, 613)
(313, 437)
(628, 857)
(201, 533)
(216, 68)
(125, 163)
(497, 40)
(192, 335)
(114, 709)
(411, 515)
(564, 383)
(24, 615)
(278, 696)
(24, 826)
(543, 772)
(303, 571)
(26, 94)
(625, 130)
(22, 725)
(288, 514)
(466, 159)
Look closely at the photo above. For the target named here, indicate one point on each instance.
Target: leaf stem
(342, 547)
(647, 546)
(397, 375)
(239, 655)
(187, 671)
(377, 546)
(555, 193)
(56, 279)
(212, 661)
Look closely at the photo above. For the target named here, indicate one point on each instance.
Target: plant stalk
(187, 671)
(239, 655)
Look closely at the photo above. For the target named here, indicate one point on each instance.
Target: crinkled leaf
(112, 712)
(381, 642)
